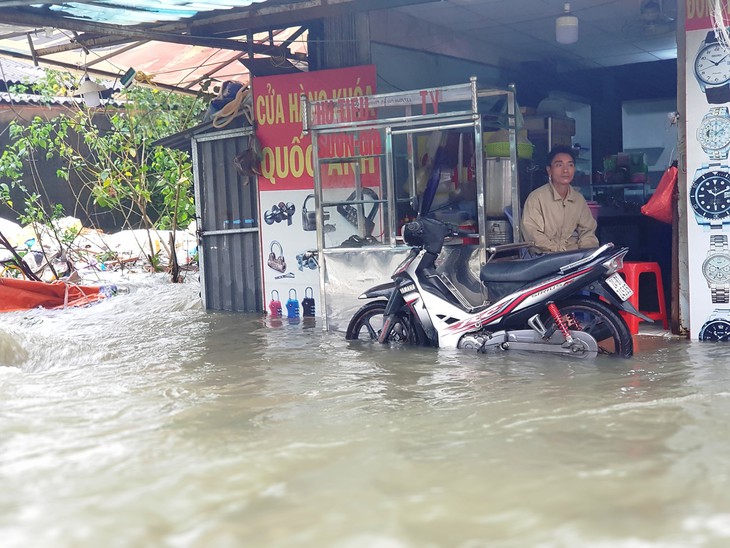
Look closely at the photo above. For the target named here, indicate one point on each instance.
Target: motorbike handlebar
(457, 231)
(430, 233)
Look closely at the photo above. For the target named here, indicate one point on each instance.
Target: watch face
(715, 330)
(714, 133)
(712, 65)
(716, 268)
(710, 195)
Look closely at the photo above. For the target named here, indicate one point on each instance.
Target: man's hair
(560, 149)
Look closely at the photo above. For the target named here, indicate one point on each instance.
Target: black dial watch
(709, 196)
(717, 326)
(712, 70)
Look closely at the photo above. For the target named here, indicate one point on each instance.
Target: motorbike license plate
(619, 286)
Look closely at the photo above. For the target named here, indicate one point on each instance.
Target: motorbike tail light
(615, 263)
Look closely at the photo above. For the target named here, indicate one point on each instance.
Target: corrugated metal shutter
(227, 204)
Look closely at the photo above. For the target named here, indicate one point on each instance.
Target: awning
(181, 42)
(107, 37)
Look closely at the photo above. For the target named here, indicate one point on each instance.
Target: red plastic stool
(631, 272)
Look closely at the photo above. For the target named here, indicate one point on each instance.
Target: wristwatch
(714, 133)
(712, 70)
(717, 326)
(709, 196)
(716, 269)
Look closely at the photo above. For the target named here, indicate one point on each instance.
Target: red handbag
(659, 206)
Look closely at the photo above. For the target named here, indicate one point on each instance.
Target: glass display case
(380, 160)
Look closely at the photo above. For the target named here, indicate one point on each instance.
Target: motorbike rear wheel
(599, 320)
(367, 323)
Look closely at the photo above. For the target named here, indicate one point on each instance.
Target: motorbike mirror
(414, 203)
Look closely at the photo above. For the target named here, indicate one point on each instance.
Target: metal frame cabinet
(373, 139)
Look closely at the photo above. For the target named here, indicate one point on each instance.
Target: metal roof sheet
(37, 100)
(158, 38)
(15, 72)
(132, 12)
(171, 66)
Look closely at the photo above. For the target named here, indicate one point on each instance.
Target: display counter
(381, 160)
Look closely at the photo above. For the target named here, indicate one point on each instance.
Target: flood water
(145, 421)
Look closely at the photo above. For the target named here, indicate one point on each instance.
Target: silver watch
(716, 269)
(713, 134)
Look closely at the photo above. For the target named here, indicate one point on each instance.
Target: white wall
(646, 125)
(402, 69)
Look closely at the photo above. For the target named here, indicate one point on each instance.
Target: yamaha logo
(407, 288)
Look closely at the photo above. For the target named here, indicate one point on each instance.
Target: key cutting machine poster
(286, 184)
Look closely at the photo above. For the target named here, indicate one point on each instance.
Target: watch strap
(718, 244)
(720, 295)
(718, 95)
(720, 314)
(711, 37)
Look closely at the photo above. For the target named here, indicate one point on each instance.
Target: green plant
(110, 153)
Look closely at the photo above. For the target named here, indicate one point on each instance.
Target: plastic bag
(659, 206)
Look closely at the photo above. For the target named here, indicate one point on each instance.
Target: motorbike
(564, 303)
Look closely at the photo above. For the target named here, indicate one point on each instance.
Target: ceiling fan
(653, 19)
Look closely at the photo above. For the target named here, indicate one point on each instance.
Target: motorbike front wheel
(597, 319)
(367, 323)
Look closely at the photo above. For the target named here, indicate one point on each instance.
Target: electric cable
(241, 103)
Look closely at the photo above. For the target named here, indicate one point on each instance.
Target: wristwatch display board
(707, 121)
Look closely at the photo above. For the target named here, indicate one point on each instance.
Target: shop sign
(286, 152)
(290, 264)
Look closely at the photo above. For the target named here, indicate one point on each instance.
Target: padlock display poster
(289, 247)
(287, 209)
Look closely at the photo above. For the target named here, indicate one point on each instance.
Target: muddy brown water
(145, 421)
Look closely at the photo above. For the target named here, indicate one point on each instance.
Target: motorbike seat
(526, 270)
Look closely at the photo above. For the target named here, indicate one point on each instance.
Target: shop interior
(622, 126)
(625, 133)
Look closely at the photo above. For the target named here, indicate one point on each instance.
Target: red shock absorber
(555, 313)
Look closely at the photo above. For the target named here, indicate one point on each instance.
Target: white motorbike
(561, 303)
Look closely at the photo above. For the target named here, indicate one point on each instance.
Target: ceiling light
(90, 92)
(651, 10)
(566, 27)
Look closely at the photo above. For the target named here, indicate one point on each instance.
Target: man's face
(562, 169)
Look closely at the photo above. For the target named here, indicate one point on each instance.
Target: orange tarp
(26, 294)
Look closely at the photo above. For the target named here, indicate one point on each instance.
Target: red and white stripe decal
(468, 325)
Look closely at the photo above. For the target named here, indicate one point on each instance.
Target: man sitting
(556, 217)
